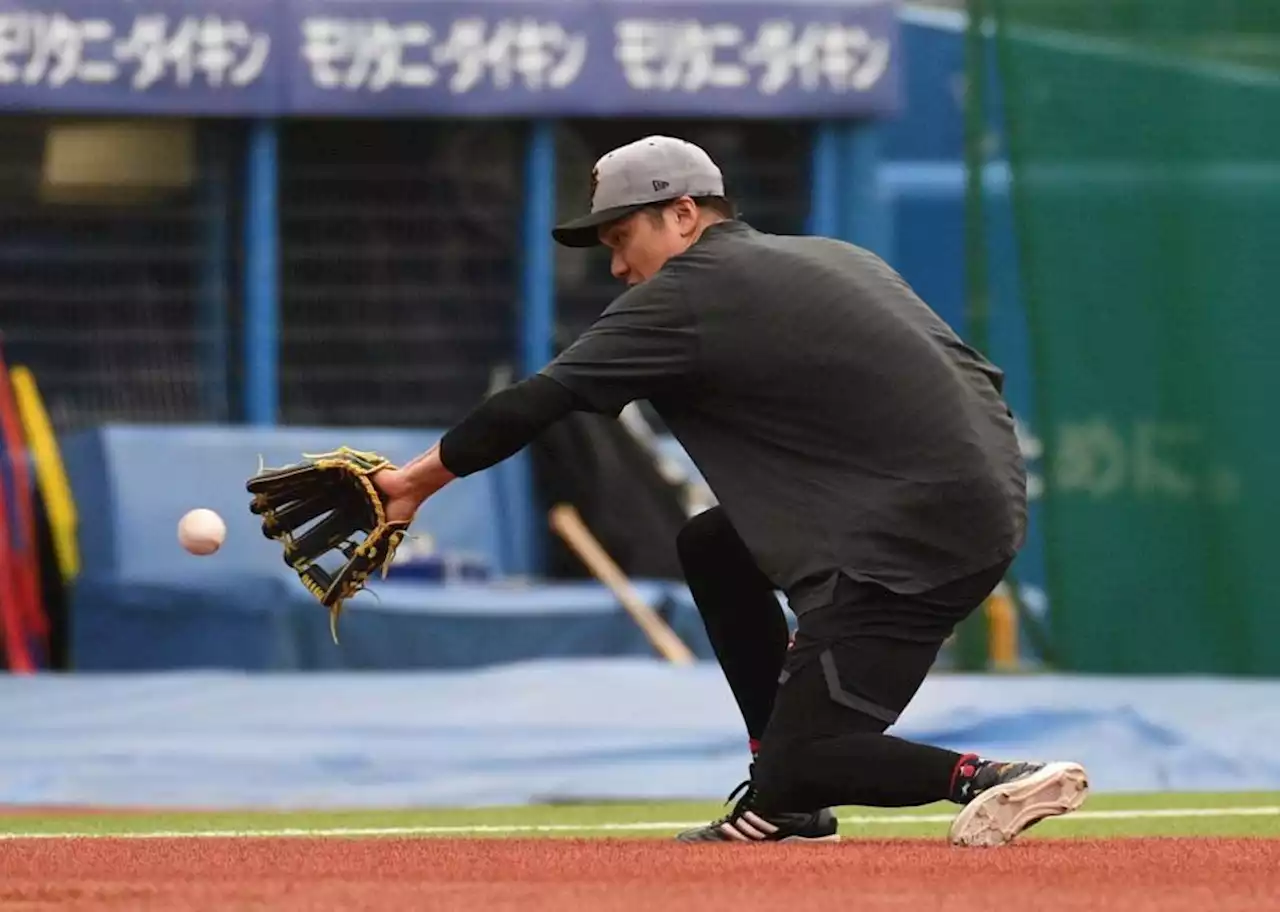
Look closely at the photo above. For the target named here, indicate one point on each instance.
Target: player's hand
(409, 486)
(402, 500)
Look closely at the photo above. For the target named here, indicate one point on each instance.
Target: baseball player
(864, 463)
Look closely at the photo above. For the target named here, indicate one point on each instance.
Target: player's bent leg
(868, 767)
(827, 742)
(826, 746)
(744, 622)
(855, 667)
(748, 632)
(817, 754)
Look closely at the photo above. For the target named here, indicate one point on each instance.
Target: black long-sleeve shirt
(505, 423)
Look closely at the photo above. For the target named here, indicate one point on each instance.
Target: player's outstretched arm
(498, 428)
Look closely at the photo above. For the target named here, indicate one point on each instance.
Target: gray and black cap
(650, 170)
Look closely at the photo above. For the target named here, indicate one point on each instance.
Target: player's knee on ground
(784, 778)
(868, 769)
(806, 775)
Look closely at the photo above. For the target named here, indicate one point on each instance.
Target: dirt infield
(604, 875)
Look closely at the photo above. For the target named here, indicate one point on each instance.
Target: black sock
(868, 769)
(744, 622)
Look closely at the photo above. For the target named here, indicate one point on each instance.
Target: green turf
(588, 820)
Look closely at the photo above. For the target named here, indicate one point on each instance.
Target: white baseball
(201, 531)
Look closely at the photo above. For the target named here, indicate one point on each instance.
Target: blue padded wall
(143, 603)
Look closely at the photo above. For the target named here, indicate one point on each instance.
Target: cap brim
(585, 231)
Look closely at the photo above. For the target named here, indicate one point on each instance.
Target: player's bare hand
(403, 500)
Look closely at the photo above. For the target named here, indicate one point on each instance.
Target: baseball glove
(335, 490)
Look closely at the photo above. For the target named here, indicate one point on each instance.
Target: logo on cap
(661, 185)
(595, 180)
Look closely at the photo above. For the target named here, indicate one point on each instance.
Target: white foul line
(607, 827)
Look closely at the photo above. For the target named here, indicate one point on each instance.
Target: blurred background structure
(1142, 142)
(235, 228)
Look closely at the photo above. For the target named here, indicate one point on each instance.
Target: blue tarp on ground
(611, 729)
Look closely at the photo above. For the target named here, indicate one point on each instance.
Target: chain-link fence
(400, 251)
(399, 244)
(119, 293)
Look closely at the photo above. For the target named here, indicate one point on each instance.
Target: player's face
(643, 242)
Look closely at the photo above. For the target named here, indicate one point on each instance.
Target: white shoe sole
(998, 815)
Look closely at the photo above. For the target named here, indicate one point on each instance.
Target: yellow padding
(51, 475)
(1002, 629)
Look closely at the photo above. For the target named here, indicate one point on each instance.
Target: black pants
(817, 712)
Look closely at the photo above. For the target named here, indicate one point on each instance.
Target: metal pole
(536, 334)
(867, 219)
(537, 281)
(213, 325)
(262, 276)
(971, 636)
(824, 181)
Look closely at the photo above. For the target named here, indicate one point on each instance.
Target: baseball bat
(568, 523)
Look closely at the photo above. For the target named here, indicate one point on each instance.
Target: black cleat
(745, 824)
(1002, 800)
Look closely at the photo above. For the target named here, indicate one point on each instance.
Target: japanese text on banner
(470, 53)
(528, 58)
(56, 50)
(692, 56)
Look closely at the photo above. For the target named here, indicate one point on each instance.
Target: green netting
(1143, 138)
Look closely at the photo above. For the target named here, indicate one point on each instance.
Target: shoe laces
(743, 786)
(747, 790)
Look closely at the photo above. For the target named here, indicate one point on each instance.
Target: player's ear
(686, 211)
